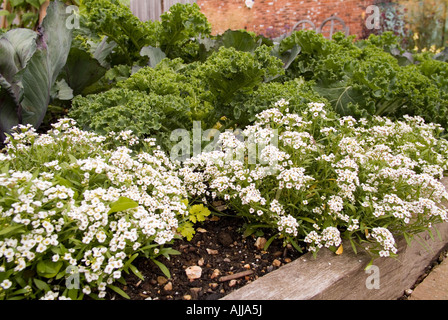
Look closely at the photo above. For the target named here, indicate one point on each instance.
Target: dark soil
(228, 252)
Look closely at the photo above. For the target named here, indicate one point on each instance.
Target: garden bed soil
(247, 272)
(228, 261)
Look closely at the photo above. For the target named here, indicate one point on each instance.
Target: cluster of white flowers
(47, 207)
(305, 175)
(329, 237)
(365, 164)
(385, 238)
(294, 178)
(317, 110)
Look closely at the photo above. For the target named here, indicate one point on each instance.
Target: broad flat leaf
(287, 57)
(15, 3)
(48, 269)
(17, 46)
(81, 70)
(61, 91)
(102, 51)
(53, 46)
(340, 95)
(155, 55)
(240, 40)
(122, 204)
(34, 3)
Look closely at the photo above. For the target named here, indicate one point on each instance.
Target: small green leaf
(166, 252)
(162, 267)
(122, 204)
(268, 243)
(307, 219)
(353, 246)
(41, 284)
(252, 228)
(12, 230)
(136, 272)
(48, 269)
(73, 294)
(295, 245)
(198, 213)
(128, 263)
(119, 291)
(186, 230)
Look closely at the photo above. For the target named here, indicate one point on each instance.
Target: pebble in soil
(220, 258)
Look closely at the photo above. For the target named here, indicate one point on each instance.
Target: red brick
(233, 14)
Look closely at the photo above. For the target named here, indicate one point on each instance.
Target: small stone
(201, 230)
(213, 285)
(260, 243)
(168, 287)
(232, 283)
(212, 251)
(246, 266)
(161, 280)
(216, 273)
(408, 292)
(201, 262)
(269, 268)
(277, 254)
(193, 272)
(276, 263)
(186, 297)
(226, 260)
(287, 260)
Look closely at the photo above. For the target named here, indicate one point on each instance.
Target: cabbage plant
(30, 63)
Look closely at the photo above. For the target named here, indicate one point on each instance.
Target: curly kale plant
(180, 29)
(365, 78)
(156, 101)
(152, 102)
(113, 19)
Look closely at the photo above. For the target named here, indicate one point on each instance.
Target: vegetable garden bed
(306, 141)
(236, 269)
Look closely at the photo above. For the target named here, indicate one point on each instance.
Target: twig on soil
(236, 275)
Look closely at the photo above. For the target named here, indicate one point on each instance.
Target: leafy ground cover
(306, 141)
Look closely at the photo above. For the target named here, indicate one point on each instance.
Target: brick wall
(275, 17)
